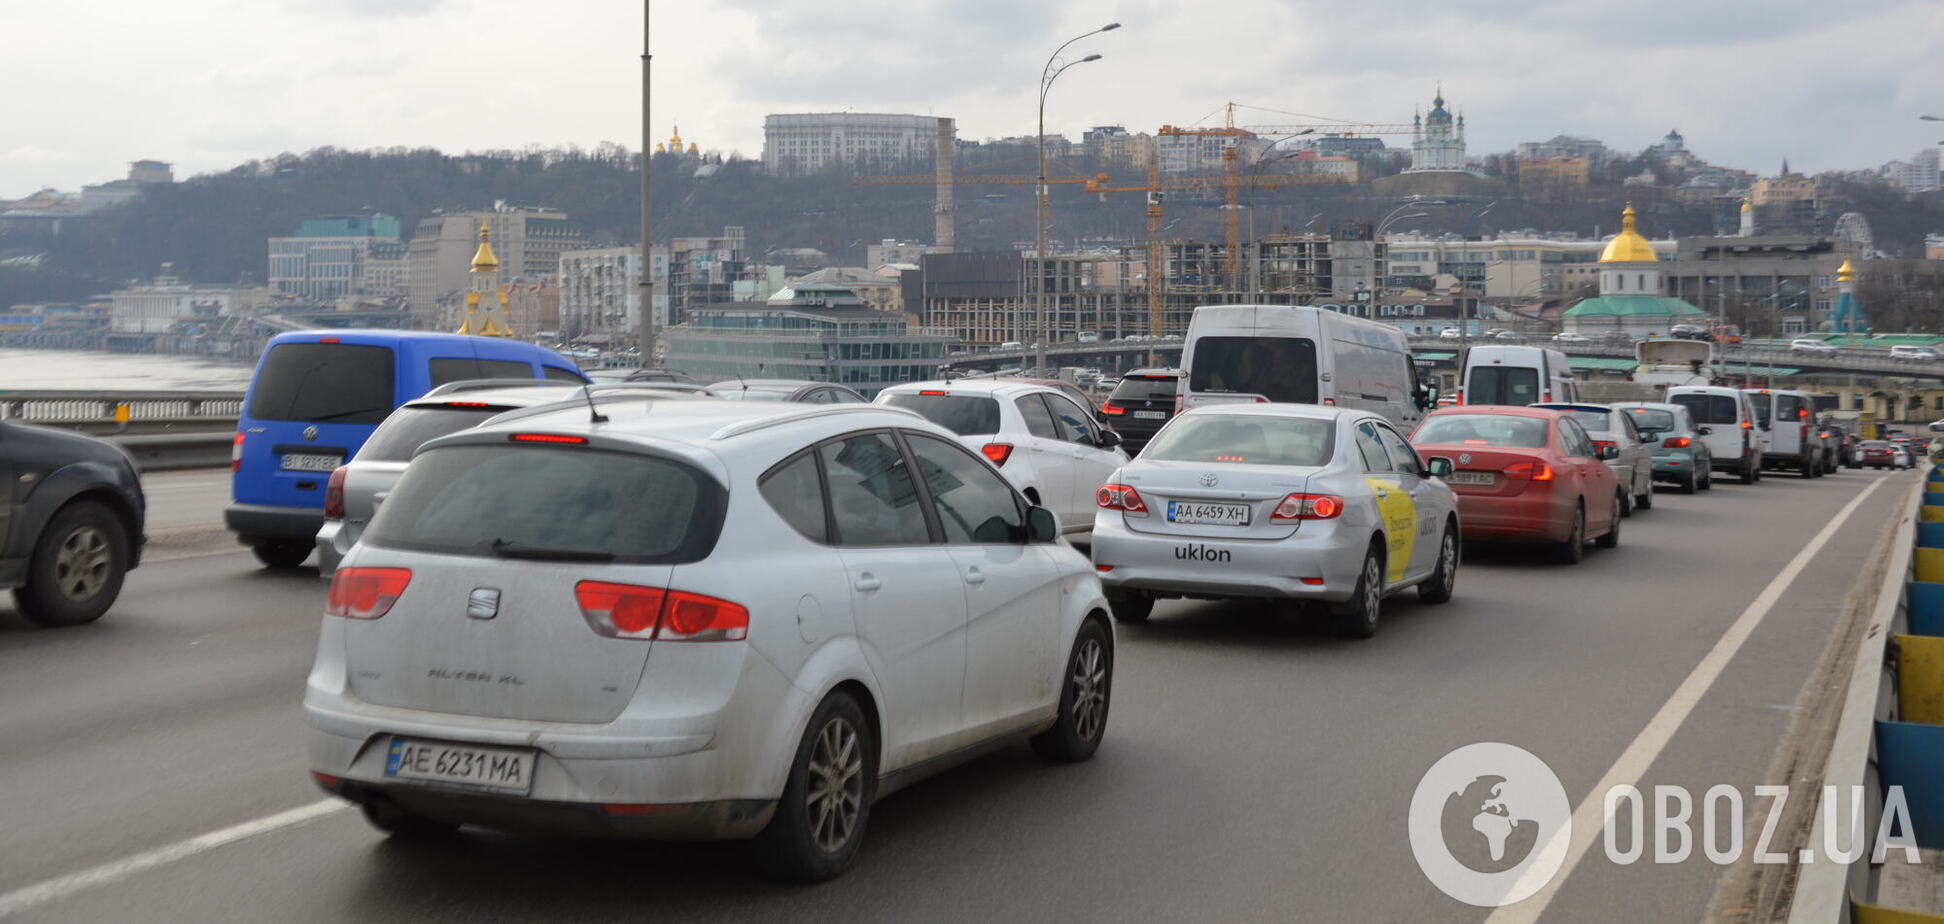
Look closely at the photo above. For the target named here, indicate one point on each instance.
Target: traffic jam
(653, 607)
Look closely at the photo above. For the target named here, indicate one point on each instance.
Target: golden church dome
(1628, 246)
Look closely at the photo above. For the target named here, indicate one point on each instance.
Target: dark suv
(1142, 402)
(71, 513)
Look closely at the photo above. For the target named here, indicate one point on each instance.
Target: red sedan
(1526, 475)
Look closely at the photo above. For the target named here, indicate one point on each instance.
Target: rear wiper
(505, 549)
(363, 410)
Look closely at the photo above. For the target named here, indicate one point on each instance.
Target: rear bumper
(1519, 518)
(1676, 467)
(1195, 566)
(693, 821)
(253, 523)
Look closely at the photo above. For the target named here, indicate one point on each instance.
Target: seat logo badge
(1464, 458)
(310, 434)
(482, 603)
(1210, 479)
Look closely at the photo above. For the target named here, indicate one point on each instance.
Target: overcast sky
(207, 84)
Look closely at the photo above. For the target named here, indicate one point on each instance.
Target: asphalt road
(1255, 769)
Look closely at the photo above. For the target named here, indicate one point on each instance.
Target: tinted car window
(450, 369)
(1039, 421)
(636, 508)
(324, 382)
(872, 498)
(1076, 426)
(1517, 385)
(1708, 409)
(1647, 418)
(413, 426)
(1282, 369)
(1245, 438)
(1761, 405)
(1403, 457)
(1574, 438)
(1147, 388)
(1372, 451)
(1483, 430)
(557, 374)
(1593, 421)
(796, 494)
(1790, 407)
(965, 415)
(973, 503)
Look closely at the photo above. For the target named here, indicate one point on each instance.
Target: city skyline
(208, 87)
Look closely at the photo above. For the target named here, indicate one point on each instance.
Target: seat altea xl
(695, 620)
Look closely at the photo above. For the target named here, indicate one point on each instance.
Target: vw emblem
(1209, 480)
(1464, 458)
(310, 434)
(483, 603)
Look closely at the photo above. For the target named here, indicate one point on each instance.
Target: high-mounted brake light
(236, 453)
(467, 404)
(1308, 507)
(548, 438)
(365, 593)
(932, 391)
(334, 494)
(1120, 497)
(1529, 471)
(329, 340)
(1112, 409)
(997, 452)
(635, 612)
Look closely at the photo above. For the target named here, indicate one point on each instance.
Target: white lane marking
(1589, 819)
(61, 887)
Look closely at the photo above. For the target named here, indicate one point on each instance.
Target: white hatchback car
(1046, 445)
(697, 619)
(1288, 502)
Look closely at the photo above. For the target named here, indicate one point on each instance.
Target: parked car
(914, 612)
(1209, 510)
(1811, 346)
(797, 390)
(1678, 445)
(355, 489)
(316, 396)
(1141, 403)
(1526, 474)
(1734, 440)
(1633, 465)
(1937, 426)
(70, 523)
(1045, 444)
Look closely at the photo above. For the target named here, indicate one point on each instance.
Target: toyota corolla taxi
(1290, 502)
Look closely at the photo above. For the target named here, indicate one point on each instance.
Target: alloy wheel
(1089, 689)
(836, 785)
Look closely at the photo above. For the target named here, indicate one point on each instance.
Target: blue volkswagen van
(317, 395)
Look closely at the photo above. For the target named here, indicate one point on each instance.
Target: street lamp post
(1048, 74)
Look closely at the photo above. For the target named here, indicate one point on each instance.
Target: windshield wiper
(505, 549)
(362, 410)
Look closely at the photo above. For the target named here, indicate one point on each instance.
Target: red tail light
(1802, 412)
(1677, 442)
(631, 611)
(1113, 409)
(997, 452)
(548, 438)
(1120, 497)
(1308, 507)
(1461, 396)
(1605, 444)
(365, 593)
(1748, 425)
(1181, 401)
(334, 495)
(1548, 396)
(236, 453)
(1529, 471)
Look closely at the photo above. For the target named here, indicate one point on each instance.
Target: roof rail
(750, 426)
(484, 384)
(598, 398)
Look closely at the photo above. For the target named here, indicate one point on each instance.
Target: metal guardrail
(103, 412)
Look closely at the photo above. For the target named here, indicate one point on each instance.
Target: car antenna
(594, 414)
(745, 384)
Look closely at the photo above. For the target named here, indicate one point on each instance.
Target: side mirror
(1604, 453)
(1439, 467)
(1705, 431)
(1041, 526)
(1108, 440)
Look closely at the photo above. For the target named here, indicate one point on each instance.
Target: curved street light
(1048, 74)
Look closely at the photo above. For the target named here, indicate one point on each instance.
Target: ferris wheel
(1853, 230)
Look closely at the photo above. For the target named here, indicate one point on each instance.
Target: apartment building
(799, 143)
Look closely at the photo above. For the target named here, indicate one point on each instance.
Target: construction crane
(944, 180)
(1230, 181)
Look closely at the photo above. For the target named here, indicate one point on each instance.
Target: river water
(81, 370)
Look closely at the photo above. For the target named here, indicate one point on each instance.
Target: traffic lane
(174, 714)
(1255, 767)
(1735, 734)
(186, 498)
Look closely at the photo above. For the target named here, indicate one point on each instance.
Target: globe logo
(1490, 824)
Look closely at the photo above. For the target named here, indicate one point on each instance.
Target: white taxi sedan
(1291, 502)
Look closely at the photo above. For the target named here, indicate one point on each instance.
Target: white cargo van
(1292, 354)
(1729, 425)
(1516, 375)
(1790, 418)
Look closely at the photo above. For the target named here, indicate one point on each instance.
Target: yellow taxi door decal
(1399, 513)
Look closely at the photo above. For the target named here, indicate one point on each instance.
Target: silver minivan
(1789, 417)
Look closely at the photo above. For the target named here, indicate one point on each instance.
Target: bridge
(1756, 358)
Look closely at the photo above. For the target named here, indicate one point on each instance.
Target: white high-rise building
(799, 143)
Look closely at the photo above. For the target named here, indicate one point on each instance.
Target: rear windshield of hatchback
(965, 415)
(1647, 418)
(1503, 430)
(324, 383)
(547, 502)
(413, 426)
(1148, 387)
(1593, 421)
(1245, 440)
